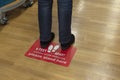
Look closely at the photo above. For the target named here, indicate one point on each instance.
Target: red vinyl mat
(52, 53)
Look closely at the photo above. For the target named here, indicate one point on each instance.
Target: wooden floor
(96, 25)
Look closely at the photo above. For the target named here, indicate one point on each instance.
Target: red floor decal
(51, 54)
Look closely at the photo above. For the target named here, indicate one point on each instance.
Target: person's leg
(45, 21)
(65, 14)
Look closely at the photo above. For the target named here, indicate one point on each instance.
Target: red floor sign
(51, 54)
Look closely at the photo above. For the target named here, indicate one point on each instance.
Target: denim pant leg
(45, 19)
(64, 15)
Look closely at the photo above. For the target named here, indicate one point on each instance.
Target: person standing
(66, 38)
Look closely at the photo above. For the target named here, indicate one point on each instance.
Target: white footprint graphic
(50, 48)
(55, 48)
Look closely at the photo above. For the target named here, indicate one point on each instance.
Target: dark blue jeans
(64, 16)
